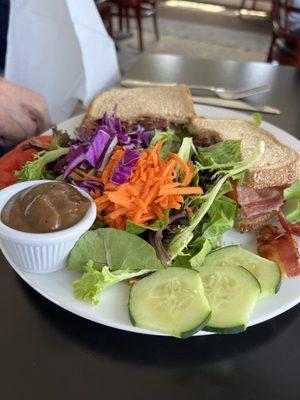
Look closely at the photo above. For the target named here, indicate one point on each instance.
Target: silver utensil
(218, 91)
(236, 104)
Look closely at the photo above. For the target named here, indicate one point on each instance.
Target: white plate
(113, 308)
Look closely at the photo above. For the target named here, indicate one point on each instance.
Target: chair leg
(270, 55)
(297, 61)
(243, 4)
(120, 12)
(127, 19)
(155, 25)
(139, 26)
(109, 26)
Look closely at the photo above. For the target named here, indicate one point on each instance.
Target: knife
(236, 104)
(212, 101)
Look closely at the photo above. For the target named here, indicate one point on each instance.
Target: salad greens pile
(108, 256)
(182, 236)
(90, 150)
(222, 172)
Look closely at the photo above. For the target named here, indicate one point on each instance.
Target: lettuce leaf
(164, 136)
(291, 210)
(195, 256)
(186, 149)
(197, 260)
(292, 192)
(221, 216)
(36, 169)
(182, 261)
(220, 154)
(256, 118)
(181, 240)
(137, 229)
(90, 286)
(113, 248)
(171, 141)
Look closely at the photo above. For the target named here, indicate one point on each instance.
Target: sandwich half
(262, 191)
(151, 107)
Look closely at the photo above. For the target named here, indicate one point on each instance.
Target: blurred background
(96, 40)
(241, 30)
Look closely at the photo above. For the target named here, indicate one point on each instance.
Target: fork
(218, 91)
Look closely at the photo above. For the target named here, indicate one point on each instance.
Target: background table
(48, 353)
(285, 81)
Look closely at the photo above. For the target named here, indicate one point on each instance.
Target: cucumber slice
(171, 301)
(267, 272)
(232, 293)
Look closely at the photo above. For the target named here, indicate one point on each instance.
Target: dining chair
(243, 5)
(105, 10)
(285, 44)
(137, 9)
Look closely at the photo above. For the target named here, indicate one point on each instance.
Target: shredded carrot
(174, 205)
(76, 177)
(96, 193)
(153, 188)
(189, 211)
(185, 190)
(116, 213)
(179, 161)
(110, 186)
(86, 176)
(157, 211)
(189, 175)
(112, 164)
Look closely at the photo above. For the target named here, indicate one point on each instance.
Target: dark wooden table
(48, 353)
(285, 81)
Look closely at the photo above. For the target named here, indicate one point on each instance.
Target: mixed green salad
(162, 208)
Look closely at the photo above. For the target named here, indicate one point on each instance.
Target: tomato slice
(16, 158)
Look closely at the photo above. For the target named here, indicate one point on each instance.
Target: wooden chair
(243, 5)
(137, 9)
(105, 10)
(285, 45)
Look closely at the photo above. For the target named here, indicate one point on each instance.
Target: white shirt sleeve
(60, 48)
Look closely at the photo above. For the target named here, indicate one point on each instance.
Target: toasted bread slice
(172, 104)
(279, 166)
(243, 225)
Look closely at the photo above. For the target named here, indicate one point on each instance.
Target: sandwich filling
(256, 202)
(151, 123)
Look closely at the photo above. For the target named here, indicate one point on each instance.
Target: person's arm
(23, 113)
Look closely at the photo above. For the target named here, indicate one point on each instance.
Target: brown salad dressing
(44, 208)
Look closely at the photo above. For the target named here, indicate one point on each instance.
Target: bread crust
(244, 225)
(172, 103)
(279, 166)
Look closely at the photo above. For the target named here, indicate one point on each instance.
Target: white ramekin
(40, 252)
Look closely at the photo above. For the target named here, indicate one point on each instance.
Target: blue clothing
(4, 13)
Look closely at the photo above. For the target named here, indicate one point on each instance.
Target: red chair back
(280, 18)
(128, 3)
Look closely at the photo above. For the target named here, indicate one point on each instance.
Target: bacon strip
(258, 201)
(279, 247)
(291, 228)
